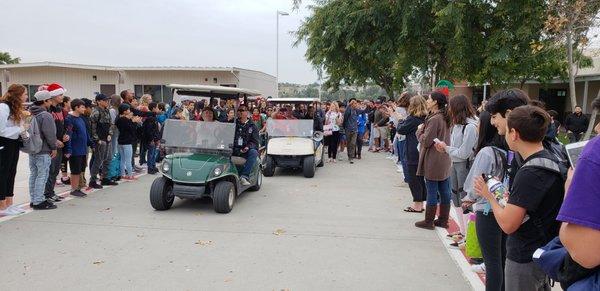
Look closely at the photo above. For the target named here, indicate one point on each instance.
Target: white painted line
(460, 260)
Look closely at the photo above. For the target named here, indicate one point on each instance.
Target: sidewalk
(22, 181)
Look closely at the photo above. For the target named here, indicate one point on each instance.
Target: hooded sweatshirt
(47, 128)
(463, 141)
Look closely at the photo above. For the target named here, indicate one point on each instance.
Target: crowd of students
(454, 153)
(447, 151)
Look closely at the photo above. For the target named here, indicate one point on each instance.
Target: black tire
(161, 194)
(308, 167)
(259, 181)
(269, 166)
(322, 162)
(224, 197)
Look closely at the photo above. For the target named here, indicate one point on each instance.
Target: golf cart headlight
(217, 171)
(166, 167)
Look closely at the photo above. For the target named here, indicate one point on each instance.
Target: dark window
(154, 90)
(215, 80)
(31, 90)
(167, 94)
(108, 89)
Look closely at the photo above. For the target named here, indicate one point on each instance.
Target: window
(215, 80)
(167, 94)
(154, 90)
(31, 90)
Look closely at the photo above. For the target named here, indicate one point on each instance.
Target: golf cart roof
(293, 100)
(214, 91)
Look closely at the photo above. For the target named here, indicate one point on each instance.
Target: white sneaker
(391, 157)
(9, 212)
(399, 169)
(479, 269)
(245, 181)
(16, 209)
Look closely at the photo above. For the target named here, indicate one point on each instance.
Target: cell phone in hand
(437, 140)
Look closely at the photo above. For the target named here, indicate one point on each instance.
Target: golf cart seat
(238, 161)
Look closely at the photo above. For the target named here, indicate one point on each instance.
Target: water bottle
(497, 189)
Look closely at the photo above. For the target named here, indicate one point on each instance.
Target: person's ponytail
(12, 98)
(442, 102)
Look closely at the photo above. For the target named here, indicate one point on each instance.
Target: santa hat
(56, 89)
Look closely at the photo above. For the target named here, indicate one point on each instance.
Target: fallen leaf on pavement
(204, 242)
(279, 232)
(98, 262)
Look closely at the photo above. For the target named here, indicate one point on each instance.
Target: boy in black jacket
(151, 137)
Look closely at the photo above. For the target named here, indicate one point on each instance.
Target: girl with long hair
(417, 111)
(463, 140)
(490, 159)
(333, 120)
(12, 126)
(434, 165)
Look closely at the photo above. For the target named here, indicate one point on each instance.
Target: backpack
(32, 142)
(557, 150)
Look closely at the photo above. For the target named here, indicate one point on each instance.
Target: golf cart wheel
(308, 167)
(269, 167)
(322, 162)
(161, 194)
(224, 197)
(259, 178)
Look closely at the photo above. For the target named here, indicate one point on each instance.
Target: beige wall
(80, 83)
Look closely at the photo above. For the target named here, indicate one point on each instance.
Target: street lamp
(282, 13)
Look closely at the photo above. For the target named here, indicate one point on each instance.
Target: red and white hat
(56, 89)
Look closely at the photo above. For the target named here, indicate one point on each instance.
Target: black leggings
(332, 144)
(9, 158)
(493, 247)
(416, 184)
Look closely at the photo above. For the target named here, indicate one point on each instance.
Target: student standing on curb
(536, 195)
(102, 137)
(76, 149)
(56, 110)
(39, 163)
(12, 117)
(463, 141)
(433, 165)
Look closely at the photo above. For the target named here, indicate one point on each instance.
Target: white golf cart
(293, 143)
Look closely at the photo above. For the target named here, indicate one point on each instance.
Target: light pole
(282, 13)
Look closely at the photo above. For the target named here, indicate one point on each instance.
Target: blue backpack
(114, 168)
(556, 262)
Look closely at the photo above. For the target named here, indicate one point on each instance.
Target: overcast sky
(240, 33)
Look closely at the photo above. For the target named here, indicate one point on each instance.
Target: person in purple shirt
(580, 231)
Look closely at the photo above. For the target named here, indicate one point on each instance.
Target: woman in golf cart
(246, 143)
(208, 115)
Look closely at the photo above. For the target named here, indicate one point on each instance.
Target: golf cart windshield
(197, 136)
(290, 127)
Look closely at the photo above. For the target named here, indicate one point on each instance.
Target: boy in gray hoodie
(39, 163)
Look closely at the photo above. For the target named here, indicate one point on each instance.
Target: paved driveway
(342, 230)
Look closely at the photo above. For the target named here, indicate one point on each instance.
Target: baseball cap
(42, 95)
(101, 97)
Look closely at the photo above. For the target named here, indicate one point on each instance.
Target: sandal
(450, 235)
(412, 210)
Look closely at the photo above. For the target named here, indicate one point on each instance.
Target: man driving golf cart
(246, 143)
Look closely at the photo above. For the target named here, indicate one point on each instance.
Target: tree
(569, 22)
(6, 59)
(354, 42)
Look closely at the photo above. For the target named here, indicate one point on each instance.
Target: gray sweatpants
(102, 158)
(525, 277)
(458, 175)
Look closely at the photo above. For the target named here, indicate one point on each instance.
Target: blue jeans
(250, 157)
(39, 167)
(151, 160)
(401, 151)
(438, 187)
(126, 152)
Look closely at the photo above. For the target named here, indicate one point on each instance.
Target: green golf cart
(199, 160)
